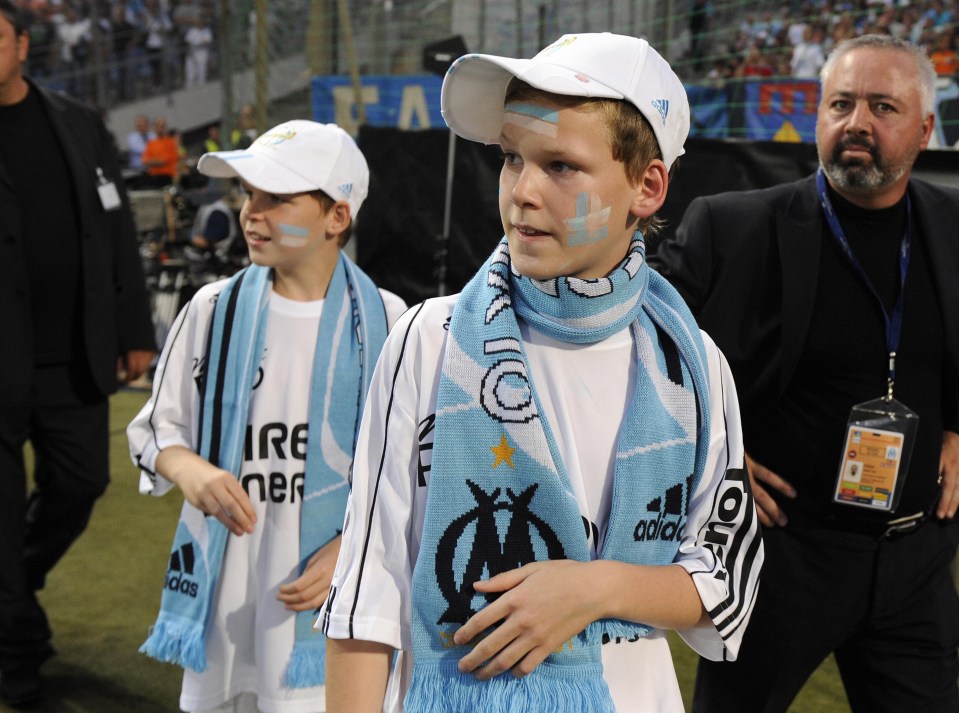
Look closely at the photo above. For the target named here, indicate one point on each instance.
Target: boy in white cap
(254, 412)
(549, 472)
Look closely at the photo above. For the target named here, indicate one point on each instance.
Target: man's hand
(770, 514)
(543, 605)
(132, 365)
(949, 476)
(309, 591)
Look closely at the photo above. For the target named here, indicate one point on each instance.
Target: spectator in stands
(212, 141)
(43, 39)
(699, 16)
(199, 40)
(808, 56)
(795, 30)
(137, 141)
(159, 31)
(944, 58)
(244, 132)
(844, 29)
(75, 38)
(755, 64)
(126, 43)
(161, 157)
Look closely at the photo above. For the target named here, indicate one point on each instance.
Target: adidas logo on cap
(662, 106)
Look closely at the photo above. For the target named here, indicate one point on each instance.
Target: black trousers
(887, 609)
(67, 424)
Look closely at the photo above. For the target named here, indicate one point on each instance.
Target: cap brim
(257, 170)
(475, 87)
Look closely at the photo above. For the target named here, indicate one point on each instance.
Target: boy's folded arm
(545, 604)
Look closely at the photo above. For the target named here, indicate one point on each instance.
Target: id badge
(109, 196)
(875, 460)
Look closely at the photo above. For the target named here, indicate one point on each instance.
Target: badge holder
(879, 439)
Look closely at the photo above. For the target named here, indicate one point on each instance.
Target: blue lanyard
(894, 321)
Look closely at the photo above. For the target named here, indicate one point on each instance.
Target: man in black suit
(808, 288)
(75, 311)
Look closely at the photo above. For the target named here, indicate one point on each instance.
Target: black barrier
(399, 227)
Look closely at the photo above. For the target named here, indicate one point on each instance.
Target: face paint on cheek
(293, 236)
(591, 222)
(533, 117)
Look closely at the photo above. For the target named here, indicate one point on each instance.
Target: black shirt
(844, 362)
(32, 157)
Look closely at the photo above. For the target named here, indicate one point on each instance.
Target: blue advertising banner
(782, 110)
(753, 109)
(709, 117)
(410, 101)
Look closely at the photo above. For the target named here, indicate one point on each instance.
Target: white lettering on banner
(414, 104)
(344, 105)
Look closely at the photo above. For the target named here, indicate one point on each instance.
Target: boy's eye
(561, 167)
(510, 158)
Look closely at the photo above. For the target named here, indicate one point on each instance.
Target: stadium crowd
(796, 39)
(145, 46)
(151, 46)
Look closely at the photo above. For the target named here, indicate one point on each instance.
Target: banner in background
(410, 101)
(754, 109)
(782, 110)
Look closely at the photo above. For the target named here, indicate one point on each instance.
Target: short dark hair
(327, 202)
(17, 16)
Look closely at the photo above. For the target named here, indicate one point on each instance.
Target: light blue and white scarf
(350, 336)
(499, 495)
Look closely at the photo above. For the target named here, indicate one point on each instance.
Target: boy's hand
(217, 492)
(543, 605)
(309, 590)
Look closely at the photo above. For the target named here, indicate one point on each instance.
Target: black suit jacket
(115, 309)
(747, 263)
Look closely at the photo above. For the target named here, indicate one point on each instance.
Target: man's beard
(858, 175)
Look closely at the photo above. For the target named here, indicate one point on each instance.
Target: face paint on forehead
(533, 117)
(293, 236)
(591, 222)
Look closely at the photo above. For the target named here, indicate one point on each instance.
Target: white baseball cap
(296, 157)
(587, 65)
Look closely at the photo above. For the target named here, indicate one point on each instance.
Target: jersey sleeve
(394, 306)
(168, 418)
(371, 589)
(722, 547)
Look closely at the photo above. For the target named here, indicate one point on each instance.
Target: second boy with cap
(549, 472)
(254, 411)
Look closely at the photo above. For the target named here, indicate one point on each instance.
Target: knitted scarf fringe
(178, 642)
(307, 665)
(554, 688)
(604, 630)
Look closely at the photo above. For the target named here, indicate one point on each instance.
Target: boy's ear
(338, 218)
(651, 190)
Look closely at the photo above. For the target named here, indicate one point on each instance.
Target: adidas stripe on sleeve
(722, 547)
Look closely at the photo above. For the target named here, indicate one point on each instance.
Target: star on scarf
(503, 452)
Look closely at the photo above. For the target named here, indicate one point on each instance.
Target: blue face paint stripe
(294, 230)
(534, 110)
(581, 234)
